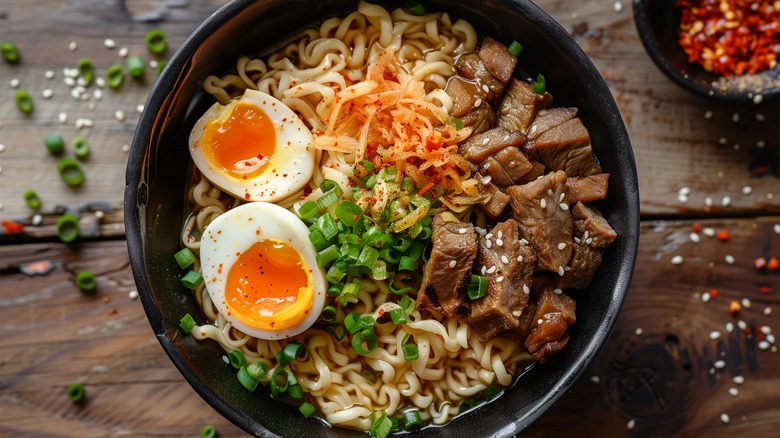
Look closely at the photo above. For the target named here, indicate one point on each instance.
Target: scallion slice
(68, 227)
(326, 200)
(208, 431)
(10, 52)
(515, 48)
(329, 314)
(76, 392)
(398, 316)
(327, 226)
(257, 370)
(186, 323)
(54, 143)
(380, 425)
(411, 352)
(237, 358)
(337, 331)
(295, 392)
(155, 41)
(32, 199)
(70, 172)
(379, 271)
(366, 336)
(352, 322)
(86, 70)
(457, 122)
(539, 86)
(415, 8)
(184, 257)
(246, 380)
(135, 66)
(86, 281)
(192, 279)
(294, 351)
(80, 147)
(308, 210)
(307, 409)
(477, 287)
(411, 419)
(369, 165)
(115, 75)
(327, 255)
(327, 185)
(23, 101)
(368, 257)
(406, 263)
(348, 212)
(279, 382)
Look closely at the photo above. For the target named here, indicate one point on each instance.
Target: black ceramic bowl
(658, 22)
(159, 163)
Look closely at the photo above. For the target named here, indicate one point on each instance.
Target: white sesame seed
(133, 294)
(97, 94)
(763, 345)
(735, 117)
(682, 198)
(100, 82)
(708, 115)
(724, 417)
(758, 98)
(484, 270)
(504, 260)
(745, 303)
(499, 242)
(747, 190)
(109, 43)
(37, 219)
(123, 52)
(586, 234)
(638, 331)
(676, 260)
(76, 93)
(47, 93)
(526, 289)
(741, 324)
(125, 147)
(499, 279)
(81, 82)
(595, 379)
(563, 206)
(695, 238)
(561, 246)
(560, 198)
(567, 268)
(715, 335)
(560, 271)
(489, 236)
(631, 423)
(726, 201)
(453, 263)
(491, 270)
(770, 195)
(558, 291)
(719, 364)
(500, 234)
(738, 380)
(729, 259)
(733, 391)
(708, 231)
(539, 321)
(477, 103)
(63, 117)
(525, 242)
(225, 359)
(485, 140)
(619, 8)
(70, 82)
(99, 214)
(705, 297)
(588, 241)
(462, 231)
(488, 243)
(576, 240)
(729, 327)
(708, 201)
(520, 258)
(14, 83)
(543, 203)
(517, 313)
(139, 109)
(767, 310)
(770, 338)
(119, 115)
(2, 148)
(685, 191)
(49, 74)
(73, 46)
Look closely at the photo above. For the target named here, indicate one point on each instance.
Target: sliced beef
(555, 312)
(520, 105)
(464, 96)
(495, 201)
(508, 266)
(537, 170)
(537, 207)
(443, 286)
(478, 147)
(592, 235)
(497, 58)
(587, 188)
(550, 118)
(566, 147)
(480, 120)
(513, 161)
(496, 172)
(470, 66)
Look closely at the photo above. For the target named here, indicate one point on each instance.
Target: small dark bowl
(658, 22)
(159, 164)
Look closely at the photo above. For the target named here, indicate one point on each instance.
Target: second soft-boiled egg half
(260, 270)
(255, 147)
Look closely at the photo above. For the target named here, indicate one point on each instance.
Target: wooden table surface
(671, 367)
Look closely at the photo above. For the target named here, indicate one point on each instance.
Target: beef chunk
(508, 265)
(537, 207)
(480, 120)
(555, 312)
(478, 147)
(514, 162)
(495, 201)
(592, 234)
(520, 105)
(464, 96)
(497, 58)
(587, 188)
(470, 66)
(550, 118)
(566, 147)
(496, 172)
(443, 286)
(537, 170)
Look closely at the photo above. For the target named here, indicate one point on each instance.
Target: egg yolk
(241, 143)
(265, 286)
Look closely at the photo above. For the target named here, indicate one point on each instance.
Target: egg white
(235, 231)
(288, 170)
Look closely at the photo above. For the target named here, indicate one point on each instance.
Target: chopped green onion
(10, 52)
(368, 257)
(380, 425)
(416, 250)
(369, 165)
(257, 369)
(246, 380)
(353, 322)
(371, 181)
(295, 392)
(24, 101)
(208, 431)
(407, 185)
(515, 48)
(398, 316)
(86, 70)
(407, 303)
(70, 172)
(399, 291)
(379, 271)
(184, 257)
(334, 290)
(415, 8)
(54, 143)
(327, 185)
(294, 351)
(396, 426)
(307, 409)
(415, 230)
(326, 200)
(390, 254)
(539, 86)
(68, 227)
(192, 280)
(75, 392)
(32, 199)
(308, 210)
(477, 287)
(327, 226)
(318, 240)
(411, 419)
(457, 122)
(86, 282)
(327, 255)
(348, 212)
(279, 382)
(387, 173)
(115, 75)
(161, 66)
(329, 314)
(337, 334)
(334, 274)
(349, 291)
(425, 233)
(80, 147)
(369, 337)
(155, 41)
(135, 66)
(411, 352)
(406, 263)
(187, 323)
(237, 358)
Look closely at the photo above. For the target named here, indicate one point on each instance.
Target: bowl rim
(135, 185)
(649, 40)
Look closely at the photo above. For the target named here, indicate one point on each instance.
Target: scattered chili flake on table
(723, 235)
(774, 264)
(764, 290)
(730, 37)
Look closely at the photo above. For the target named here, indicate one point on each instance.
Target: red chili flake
(696, 227)
(764, 290)
(734, 307)
(713, 293)
(723, 235)
(381, 312)
(747, 330)
(112, 312)
(759, 263)
(759, 334)
(12, 227)
(774, 264)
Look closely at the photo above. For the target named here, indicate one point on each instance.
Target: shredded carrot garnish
(426, 188)
(388, 120)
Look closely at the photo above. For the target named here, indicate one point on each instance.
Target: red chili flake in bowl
(730, 37)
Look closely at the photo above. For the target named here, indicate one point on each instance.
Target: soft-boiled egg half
(261, 270)
(255, 147)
